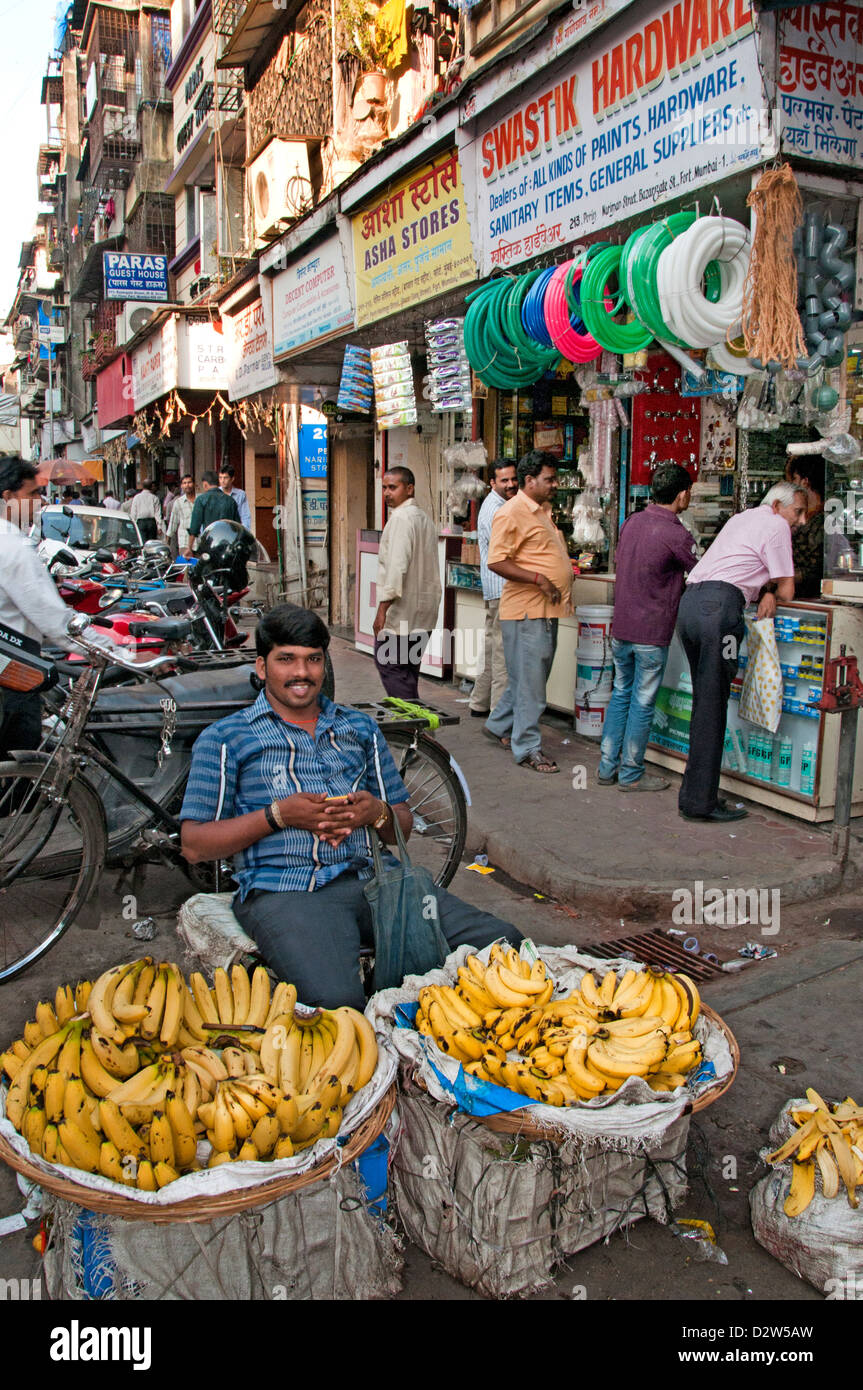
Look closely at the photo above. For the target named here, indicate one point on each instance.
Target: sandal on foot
(503, 739)
(539, 762)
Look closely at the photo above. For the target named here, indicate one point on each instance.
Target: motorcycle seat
(170, 629)
(216, 692)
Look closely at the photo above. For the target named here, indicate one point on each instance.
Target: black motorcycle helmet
(223, 551)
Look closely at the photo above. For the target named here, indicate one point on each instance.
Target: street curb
(547, 874)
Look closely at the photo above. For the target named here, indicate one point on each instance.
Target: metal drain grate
(655, 948)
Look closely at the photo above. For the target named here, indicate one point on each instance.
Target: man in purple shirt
(750, 560)
(654, 553)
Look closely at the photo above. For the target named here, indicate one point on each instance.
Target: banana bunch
(828, 1141)
(125, 1075)
(567, 1050)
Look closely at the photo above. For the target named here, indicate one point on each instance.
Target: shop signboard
(154, 364)
(202, 364)
(311, 299)
(414, 243)
(249, 347)
(647, 111)
(821, 81)
(130, 276)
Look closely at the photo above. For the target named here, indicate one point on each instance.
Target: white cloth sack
(824, 1244)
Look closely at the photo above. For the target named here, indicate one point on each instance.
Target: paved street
(605, 865)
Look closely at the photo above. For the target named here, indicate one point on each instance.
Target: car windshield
(89, 532)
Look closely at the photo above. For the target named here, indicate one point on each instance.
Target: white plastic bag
(761, 696)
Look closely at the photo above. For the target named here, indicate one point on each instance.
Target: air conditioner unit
(279, 185)
(132, 318)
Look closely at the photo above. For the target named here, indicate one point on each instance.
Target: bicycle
(69, 808)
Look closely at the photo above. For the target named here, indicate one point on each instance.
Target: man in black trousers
(750, 561)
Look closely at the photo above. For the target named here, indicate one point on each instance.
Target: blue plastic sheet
(472, 1096)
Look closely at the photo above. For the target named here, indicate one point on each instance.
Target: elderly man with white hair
(750, 561)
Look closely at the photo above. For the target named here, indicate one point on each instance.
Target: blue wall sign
(313, 451)
(137, 277)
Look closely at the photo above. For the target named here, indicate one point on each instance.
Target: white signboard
(249, 344)
(311, 299)
(203, 364)
(821, 81)
(154, 365)
(646, 111)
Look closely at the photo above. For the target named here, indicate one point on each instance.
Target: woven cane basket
(216, 1204)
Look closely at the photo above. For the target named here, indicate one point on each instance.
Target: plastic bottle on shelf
(741, 749)
(752, 755)
(785, 758)
(766, 756)
(729, 752)
(807, 769)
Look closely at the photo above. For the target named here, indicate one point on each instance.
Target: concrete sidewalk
(620, 852)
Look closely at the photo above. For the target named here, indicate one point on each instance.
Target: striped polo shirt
(246, 761)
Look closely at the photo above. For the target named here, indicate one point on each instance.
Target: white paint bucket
(592, 673)
(594, 628)
(590, 713)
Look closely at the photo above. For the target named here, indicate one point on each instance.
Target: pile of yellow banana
(501, 1022)
(124, 1076)
(829, 1138)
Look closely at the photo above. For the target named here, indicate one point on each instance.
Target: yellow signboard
(414, 243)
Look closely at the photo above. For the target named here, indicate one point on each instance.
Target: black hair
(289, 626)
(405, 474)
(14, 473)
(668, 481)
(227, 468)
(531, 465)
(810, 467)
(187, 475)
(210, 478)
(494, 468)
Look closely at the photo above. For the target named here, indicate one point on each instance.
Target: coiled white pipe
(680, 275)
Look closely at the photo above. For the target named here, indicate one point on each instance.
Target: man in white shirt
(146, 511)
(749, 562)
(408, 587)
(29, 602)
(226, 483)
(181, 515)
(110, 501)
(491, 682)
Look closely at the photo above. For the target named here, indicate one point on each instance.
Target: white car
(83, 530)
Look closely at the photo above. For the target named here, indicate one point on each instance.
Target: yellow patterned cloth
(394, 17)
(761, 696)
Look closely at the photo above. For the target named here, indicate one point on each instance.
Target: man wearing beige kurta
(408, 587)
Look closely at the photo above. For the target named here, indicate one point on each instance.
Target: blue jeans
(638, 671)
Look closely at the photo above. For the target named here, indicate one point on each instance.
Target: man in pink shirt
(750, 560)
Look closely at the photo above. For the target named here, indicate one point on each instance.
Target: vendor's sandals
(503, 739)
(539, 762)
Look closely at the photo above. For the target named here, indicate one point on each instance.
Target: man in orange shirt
(529, 552)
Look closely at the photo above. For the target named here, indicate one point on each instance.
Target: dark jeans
(313, 940)
(398, 660)
(711, 628)
(20, 721)
(148, 528)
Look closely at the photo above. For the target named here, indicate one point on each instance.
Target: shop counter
(794, 770)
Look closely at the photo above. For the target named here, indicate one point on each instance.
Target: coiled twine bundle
(771, 325)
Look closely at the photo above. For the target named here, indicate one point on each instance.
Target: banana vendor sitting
(261, 788)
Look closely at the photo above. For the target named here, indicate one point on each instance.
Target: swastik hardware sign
(645, 111)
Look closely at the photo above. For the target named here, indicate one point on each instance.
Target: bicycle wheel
(437, 800)
(51, 856)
